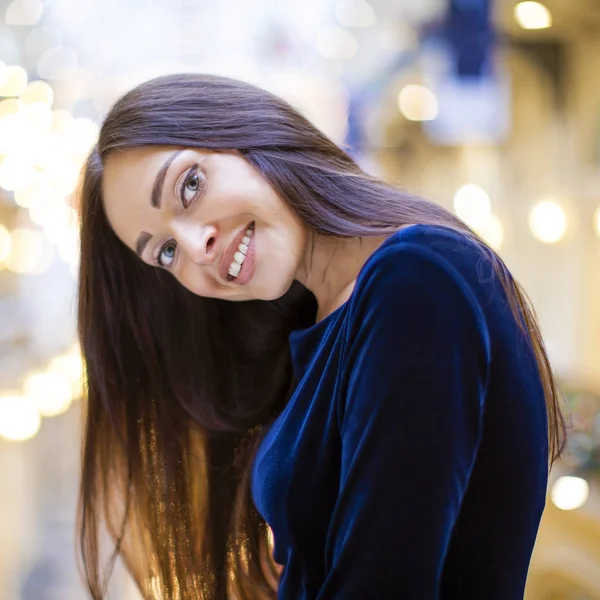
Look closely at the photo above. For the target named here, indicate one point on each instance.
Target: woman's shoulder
(423, 263)
(428, 254)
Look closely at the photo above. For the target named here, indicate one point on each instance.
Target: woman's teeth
(240, 255)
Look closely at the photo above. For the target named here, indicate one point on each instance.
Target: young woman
(278, 344)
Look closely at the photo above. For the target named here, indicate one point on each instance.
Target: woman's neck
(331, 266)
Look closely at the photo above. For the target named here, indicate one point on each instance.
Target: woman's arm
(410, 426)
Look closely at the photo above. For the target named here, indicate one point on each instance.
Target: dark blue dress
(411, 462)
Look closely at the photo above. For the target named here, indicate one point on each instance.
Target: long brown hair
(181, 389)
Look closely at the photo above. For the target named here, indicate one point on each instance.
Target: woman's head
(186, 163)
(182, 385)
(198, 214)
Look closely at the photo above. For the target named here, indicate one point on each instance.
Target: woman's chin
(276, 290)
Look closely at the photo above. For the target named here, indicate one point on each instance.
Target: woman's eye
(166, 254)
(191, 186)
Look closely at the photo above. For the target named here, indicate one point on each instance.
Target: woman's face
(188, 211)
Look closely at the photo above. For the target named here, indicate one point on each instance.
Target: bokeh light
(596, 222)
(354, 13)
(70, 365)
(16, 172)
(24, 13)
(15, 81)
(336, 42)
(57, 63)
(570, 493)
(492, 231)
(5, 245)
(418, 103)
(27, 251)
(533, 15)
(19, 418)
(10, 106)
(38, 91)
(69, 247)
(472, 204)
(548, 222)
(51, 391)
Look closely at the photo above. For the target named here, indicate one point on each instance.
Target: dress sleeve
(410, 422)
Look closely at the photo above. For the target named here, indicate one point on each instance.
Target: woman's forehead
(120, 164)
(127, 183)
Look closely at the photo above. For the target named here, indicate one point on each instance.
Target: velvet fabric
(411, 461)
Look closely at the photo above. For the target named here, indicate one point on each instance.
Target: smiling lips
(240, 256)
(235, 254)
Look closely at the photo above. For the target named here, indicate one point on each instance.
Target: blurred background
(491, 108)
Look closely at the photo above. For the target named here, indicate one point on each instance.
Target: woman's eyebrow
(155, 199)
(157, 188)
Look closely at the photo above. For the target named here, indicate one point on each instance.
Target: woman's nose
(199, 244)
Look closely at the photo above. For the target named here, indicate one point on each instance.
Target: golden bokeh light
(472, 204)
(16, 173)
(570, 493)
(19, 418)
(38, 115)
(61, 121)
(44, 207)
(15, 81)
(12, 126)
(548, 222)
(5, 245)
(32, 195)
(59, 223)
(10, 106)
(533, 15)
(51, 391)
(597, 222)
(38, 91)
(69, 247)
(492, 231)
(418, 103)
(71, 366)
(27, 251)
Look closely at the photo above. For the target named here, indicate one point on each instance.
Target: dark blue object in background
(469, 32)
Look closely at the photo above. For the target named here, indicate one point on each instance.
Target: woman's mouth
(242, 257)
